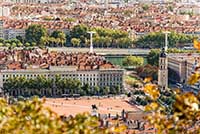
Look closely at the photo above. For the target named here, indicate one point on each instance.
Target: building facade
(182, 65)
(102, 77)
(13, 33)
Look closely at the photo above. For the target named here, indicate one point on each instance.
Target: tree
(44, 40)
(27, 44)
(124, 42)
(153, 57)
(106, 90)
(59, 35)
(20, 39)
(145, 7)
(133, 61)
(156, 40)
(97, 89)
(30, 116)
(147, 71)
(34, 33)
(180, 116)
(75, 42)
(79, 31)
(8, 44)
(86, 88)
(20, 44)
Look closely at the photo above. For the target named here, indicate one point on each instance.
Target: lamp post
(166, 39)
(91, 41)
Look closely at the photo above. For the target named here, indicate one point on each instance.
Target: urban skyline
(99, 66)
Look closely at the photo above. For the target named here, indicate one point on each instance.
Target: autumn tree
(31, 117)
(181, 116)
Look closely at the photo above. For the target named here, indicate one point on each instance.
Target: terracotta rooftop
(43, 59)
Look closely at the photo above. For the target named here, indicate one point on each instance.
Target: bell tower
(163, 70)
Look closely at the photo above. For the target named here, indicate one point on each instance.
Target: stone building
(163, 70)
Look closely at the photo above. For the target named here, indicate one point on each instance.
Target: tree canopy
(133, 61)
(157, 40)
(34, 33)
(42, 86)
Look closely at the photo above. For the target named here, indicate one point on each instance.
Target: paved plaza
(74, 106)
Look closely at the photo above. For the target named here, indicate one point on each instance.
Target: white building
(13, 33)
(101, 77)
(4, 11)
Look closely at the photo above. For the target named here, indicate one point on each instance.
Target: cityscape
(99, 66)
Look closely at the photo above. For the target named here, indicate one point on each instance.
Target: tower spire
(166, 39)
(91, 41)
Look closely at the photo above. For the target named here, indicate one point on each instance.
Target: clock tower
(163, 70)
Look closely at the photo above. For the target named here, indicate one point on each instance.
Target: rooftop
(51, 60)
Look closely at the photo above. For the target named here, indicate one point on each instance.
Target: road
(105, 51)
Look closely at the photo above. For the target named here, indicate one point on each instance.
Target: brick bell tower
(163, 70)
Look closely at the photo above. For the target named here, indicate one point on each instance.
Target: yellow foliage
(31, 117)
(152, 106)
(148, 79)
(194, 78)
(152, 91)
(196, 44)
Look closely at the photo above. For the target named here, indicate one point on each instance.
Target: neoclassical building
(100, 77)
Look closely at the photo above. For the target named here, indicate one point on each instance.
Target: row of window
(63, 75)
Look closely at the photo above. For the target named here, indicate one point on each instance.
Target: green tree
(156, 40)
(59, 35)
(87, 88)
(1, 44)
(27, 44)
(34, 33)
(153, 57)
(8, 44)
(79, 31)
(97, 89)
(20, 44)
(20, 39)
(75, 42)
(133, 61)
(106, 90)
(145, 7)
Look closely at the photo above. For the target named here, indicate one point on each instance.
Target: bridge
(106, 51)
